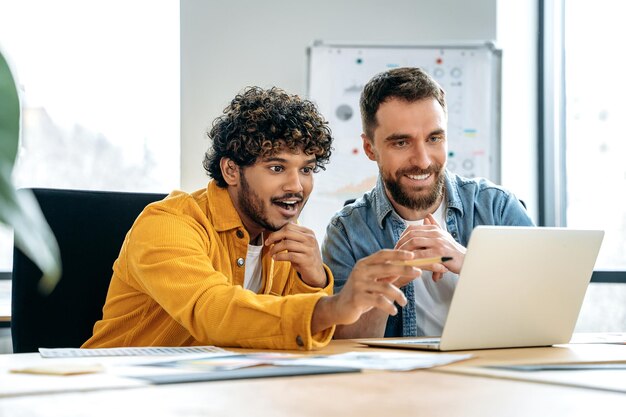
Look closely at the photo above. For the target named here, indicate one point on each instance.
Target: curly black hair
(260, 123)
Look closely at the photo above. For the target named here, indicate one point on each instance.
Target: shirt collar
(452, 192)
(221, 209)
(380, 202)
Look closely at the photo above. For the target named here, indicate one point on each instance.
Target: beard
(415, 198)
(252, 206)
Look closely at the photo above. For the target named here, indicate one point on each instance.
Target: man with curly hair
(228, 265)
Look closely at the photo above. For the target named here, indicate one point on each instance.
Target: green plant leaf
(20, 210)
(9, 116)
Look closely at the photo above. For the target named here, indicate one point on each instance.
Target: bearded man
(417, 205)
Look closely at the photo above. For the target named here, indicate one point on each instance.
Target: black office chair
(90, 227)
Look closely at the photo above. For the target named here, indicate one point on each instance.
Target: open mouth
(289, 206)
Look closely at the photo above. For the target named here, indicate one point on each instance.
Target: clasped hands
(430, 240)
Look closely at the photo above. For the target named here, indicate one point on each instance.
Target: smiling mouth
(420, 177)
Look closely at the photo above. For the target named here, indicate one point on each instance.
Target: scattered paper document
(224, 362)
(228, 361)
(246, 373)
(391, 361)
(127, 351)
(562, 367)
(607, 337)
(394, 361)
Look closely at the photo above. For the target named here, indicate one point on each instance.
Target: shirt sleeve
(338, 254)
(513, 212)
(297, 286)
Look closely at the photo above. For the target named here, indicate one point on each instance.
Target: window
(594, 117)
(99, 84)
(584, 176)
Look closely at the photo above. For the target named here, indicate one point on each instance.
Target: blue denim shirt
(371, 223)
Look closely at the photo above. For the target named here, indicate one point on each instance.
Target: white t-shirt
(432, 299)
(253, 276)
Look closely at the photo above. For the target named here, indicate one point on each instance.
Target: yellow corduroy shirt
(177, 282)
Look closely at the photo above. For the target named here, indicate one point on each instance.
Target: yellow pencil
(423, 261)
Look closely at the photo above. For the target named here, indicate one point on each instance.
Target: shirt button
(299, 341)
(239, 234)
(240, 262)
(454, 235)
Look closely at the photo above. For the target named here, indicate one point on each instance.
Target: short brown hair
(409, 84)
(259, 123)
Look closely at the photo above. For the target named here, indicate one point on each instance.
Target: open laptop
(519, 286)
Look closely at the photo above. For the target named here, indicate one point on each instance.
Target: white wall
(227, 45)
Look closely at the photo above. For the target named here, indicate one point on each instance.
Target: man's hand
(370, 285)
(431, 240)
(298, 245)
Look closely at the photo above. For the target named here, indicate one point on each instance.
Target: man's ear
(368, 147)
(230, 171)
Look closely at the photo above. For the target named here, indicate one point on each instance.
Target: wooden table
(445, 391)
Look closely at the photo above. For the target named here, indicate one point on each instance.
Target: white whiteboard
(470, 76)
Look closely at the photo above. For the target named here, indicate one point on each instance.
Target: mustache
(433, 169)
(290, 196)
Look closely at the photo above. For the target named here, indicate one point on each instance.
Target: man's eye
(276, 168)
(308, 170)
(400, 143)
(436, 139)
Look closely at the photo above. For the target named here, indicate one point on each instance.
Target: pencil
(424, 261)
